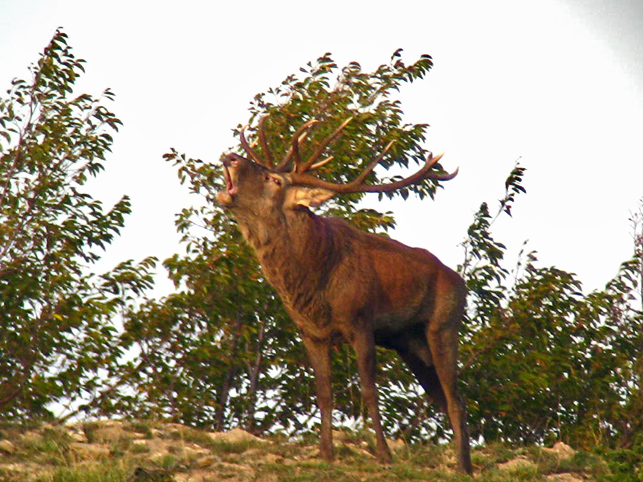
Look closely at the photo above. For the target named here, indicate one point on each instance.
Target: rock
(195, 476)
(236, 472)
(175, 429)
(157, 455)
(563, 478)
(562, 450)
(76, 432)
(340, 437)
(270, 459)
(31, 438)
(235, 436)
(7, 447)
(206, 461)
(22, 471)
(79, 437)
(396, 445)
(360, 451)
(252, 454)
(108, 432)
(82, 451)
(140, 446)
(194, 451)
(519, 462)
(142, 474)
(269, 478)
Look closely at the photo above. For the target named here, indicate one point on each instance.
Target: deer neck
(296, 251)
(295, 235)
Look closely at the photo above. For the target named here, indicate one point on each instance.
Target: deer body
(341, 284)
(323, 266)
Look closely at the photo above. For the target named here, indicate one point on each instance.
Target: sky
(557, 84)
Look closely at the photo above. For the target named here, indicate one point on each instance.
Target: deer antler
(293, 152)
(311, 164)
(264, 141)
(299, 173)
(249, 149)
(357, 185)
(292, 155)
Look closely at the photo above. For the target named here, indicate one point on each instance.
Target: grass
(102, 473)
(146, 452)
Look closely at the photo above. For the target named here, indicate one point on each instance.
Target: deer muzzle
(226, 197)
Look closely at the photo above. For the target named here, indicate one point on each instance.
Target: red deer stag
(341, 284)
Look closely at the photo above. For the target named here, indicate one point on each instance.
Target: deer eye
(276, 180)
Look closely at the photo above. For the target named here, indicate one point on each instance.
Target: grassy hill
(115, 451)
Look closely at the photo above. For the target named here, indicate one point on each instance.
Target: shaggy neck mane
(297, 251)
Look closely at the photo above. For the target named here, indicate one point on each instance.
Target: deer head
(255, 185)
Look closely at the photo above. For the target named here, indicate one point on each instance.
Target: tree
(542, 361)
(636, 221)
(240, 355)
(55, 314)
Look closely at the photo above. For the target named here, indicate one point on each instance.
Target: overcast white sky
(555, 82)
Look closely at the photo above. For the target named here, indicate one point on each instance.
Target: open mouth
(230, 187)
(226, 196)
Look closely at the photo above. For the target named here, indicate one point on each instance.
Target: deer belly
(395, 320)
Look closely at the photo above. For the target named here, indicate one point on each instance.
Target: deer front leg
(364, 346)
(319, 354)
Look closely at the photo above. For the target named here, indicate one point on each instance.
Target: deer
(340, 284)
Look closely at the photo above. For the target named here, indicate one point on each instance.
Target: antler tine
(357, 184)
(360, 179)
(424, 173)
(319, 164)
(293, 152)
(308, 180)
(264, 142)
(320, 149)
(248, 148)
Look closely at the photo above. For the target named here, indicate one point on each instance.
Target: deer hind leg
(416, 354)
(364, 346)
(442, 335)
(319, 355)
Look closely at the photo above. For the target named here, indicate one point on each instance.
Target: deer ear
(307, 196)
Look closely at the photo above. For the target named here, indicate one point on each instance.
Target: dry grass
(148, 452)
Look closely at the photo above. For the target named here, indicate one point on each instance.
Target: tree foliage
(540, 360)
(55, 315)
(244, 360)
